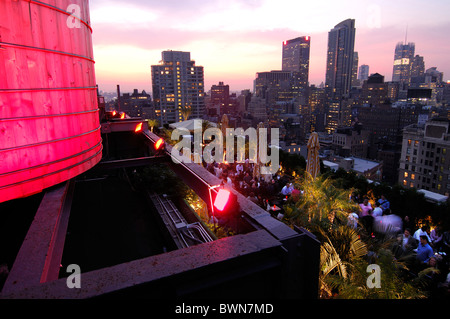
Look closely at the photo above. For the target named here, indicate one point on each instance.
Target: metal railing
(183, 234)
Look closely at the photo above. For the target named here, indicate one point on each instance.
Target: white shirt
(377, 212)
(286, 190)
(405, 241)
(419, 233)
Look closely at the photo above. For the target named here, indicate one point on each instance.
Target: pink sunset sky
(234, 39)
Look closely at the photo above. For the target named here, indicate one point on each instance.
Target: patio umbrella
(313, 165)
(257, 165)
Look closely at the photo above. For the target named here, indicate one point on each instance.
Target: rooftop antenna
(406, 34)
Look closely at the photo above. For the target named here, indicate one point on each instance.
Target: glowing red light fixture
(222, 199)
(284, 42)
(159, 143)
(307, 38)
(122, 116)
(114, 113)
(138, 128)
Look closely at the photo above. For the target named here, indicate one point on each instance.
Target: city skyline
(234, 40)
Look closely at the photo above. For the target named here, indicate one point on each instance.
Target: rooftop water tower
(49, 123)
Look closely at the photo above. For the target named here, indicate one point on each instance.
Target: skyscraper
(417, 66)
(363, 72)
(404, 54)
(340, 54)
(355, 81)
(177, 84)
(220, 93)
(296, 58)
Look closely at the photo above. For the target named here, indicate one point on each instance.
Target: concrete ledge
(150, 269)
(39, 257)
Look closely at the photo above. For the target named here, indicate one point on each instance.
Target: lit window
(406, 174)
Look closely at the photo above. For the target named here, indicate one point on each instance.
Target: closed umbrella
(313, 165)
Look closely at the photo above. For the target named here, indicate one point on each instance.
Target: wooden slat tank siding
(49, 125)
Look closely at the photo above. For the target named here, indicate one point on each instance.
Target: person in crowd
(295, 194)
(366, 208)
(239, 168)
(254, 188)
(384, 203)
(247, 178)
(218, 170)
(272, 188)
(405, 245)
(353, 220)
(409, 243)
(436, 237)
(408, 223)
(378, 211)
(424, 250)
(365, 215)
(253, 198)
(229, 179)
(446, 242)
(287, 189)
(423, 231)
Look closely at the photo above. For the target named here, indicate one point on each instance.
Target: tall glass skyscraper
(339, 71)
(177, 83)
(340, 53)
(296, 58)
(403, 57)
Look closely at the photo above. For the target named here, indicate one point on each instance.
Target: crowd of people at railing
(263, 190)
(418, 247)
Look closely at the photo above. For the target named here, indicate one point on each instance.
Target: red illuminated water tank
(49, 123)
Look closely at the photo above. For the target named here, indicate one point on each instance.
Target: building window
(413, 176)
(405, 174)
